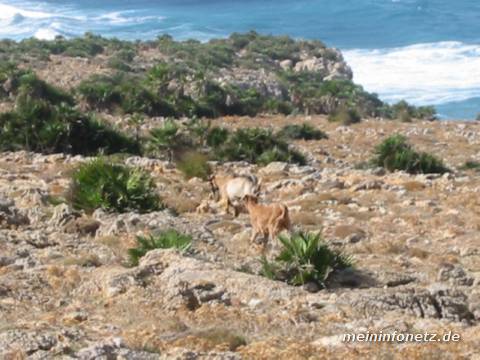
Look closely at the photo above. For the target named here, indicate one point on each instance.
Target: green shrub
(247, 102)
(194, 164)
(100, 91)
(301, 132)
(100, 184)
(258, 146)
(163, 240)
(394, 153)
(345, 116)
(217, 136)
(304, 258)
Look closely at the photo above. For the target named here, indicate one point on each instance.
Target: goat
(268, 219)
(233, 187)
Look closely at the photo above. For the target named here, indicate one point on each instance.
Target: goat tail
(258, 185)
(286, 217)
(283, 219)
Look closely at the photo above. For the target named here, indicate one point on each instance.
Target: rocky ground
(66, 290)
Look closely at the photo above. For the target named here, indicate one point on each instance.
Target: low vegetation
(44, 120)
(188, 81)
(163, 240)
(395, 153)
(301, 132)
(304, 258)
(100, 184)
(471, 165)
(194, 164)
(345, 116)
(257, 146)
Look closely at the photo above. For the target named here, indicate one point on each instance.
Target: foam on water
(434, 73)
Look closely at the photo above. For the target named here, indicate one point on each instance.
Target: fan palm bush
(395, 153)
(217, 136)
(257, 146)
(304, 258)
(100, 184)
(36, 125)
(163, 240)
(167, 138)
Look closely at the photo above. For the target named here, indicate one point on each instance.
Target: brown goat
(268, 219)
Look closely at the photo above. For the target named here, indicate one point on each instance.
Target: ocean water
(424, 51)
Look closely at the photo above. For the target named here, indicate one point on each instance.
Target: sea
(424, 51)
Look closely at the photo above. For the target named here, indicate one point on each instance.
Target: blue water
(424, 51)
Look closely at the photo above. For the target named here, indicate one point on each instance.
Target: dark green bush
(37, 125)
(304, 258)
(101, 91)
(257, 145)
(301, 132)
(100, 184)
(394, 153)
(217, 136)
(164, 240)
(194, 164)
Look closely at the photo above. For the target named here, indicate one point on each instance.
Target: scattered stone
(82, 226)
(274, 168)
(455, 275)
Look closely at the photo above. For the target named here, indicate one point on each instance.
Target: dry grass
(62, 278)
(413, 186)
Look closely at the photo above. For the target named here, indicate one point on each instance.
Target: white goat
(233, 187)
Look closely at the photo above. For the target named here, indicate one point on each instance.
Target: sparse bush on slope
(100, 184)
(345, 116)
(304, 258)
(394, 153)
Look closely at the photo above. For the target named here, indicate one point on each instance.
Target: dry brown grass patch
(62, 278)
(305, 218)
(413, 186)
(343, 231)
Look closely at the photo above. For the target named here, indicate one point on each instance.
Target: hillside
(85, 174)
